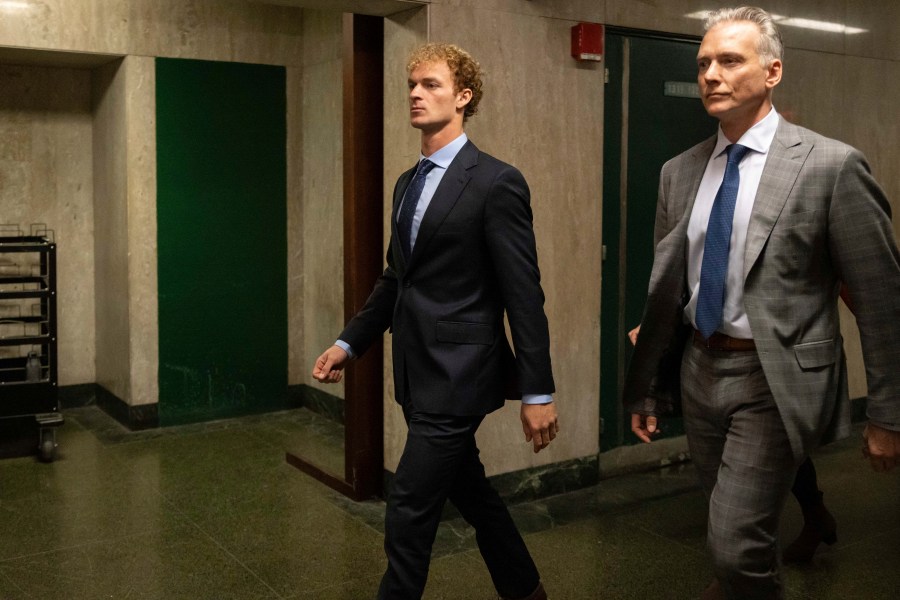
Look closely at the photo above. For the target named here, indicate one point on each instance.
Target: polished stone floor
(213, 511)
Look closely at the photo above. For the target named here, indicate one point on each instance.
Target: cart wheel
(48, 445)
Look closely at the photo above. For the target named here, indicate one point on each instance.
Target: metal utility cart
(28, 363)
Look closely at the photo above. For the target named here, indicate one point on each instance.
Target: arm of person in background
(643, 426)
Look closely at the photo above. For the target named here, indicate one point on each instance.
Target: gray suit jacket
(819, 218)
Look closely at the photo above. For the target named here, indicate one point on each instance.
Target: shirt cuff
(537, 398)
(346, 348)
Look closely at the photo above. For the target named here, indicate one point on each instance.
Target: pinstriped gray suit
(818, 218)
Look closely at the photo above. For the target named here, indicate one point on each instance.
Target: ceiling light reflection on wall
(826, 26)
(15, 5)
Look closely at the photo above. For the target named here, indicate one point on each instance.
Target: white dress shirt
(758, 138)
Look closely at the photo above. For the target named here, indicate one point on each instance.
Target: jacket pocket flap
(455, 332)
(815, 354)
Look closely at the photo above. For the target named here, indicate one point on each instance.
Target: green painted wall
(222, 236)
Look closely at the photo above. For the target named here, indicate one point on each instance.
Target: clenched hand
(540, 424)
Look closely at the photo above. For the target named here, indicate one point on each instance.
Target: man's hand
(540, 424)
(644, 426)
(633, 335)
(330, 366)
(882, 447)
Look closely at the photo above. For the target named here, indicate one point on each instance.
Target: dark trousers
(806, 486)
(440, 462)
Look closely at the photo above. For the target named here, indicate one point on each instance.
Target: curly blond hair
(467, 73)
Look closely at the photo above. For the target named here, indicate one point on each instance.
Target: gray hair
(770, 47)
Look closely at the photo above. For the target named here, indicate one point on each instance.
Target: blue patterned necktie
(714, 269)
(410, 201)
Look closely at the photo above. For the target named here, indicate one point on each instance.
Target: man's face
(734, 85)
(433, 103)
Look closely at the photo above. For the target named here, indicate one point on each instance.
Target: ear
(463, 98)
(773, 74)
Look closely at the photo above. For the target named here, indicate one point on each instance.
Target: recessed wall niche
(46, 176)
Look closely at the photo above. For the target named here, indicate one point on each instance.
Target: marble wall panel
(870, 88)
(85, 25)
(881, 19)
(322, 224)
(113, 347)
(657, 15)
(296, 314)
(140, 169)
(581, 10)
(230, 30)
(670, 16)
(46, 177)
(811, 91)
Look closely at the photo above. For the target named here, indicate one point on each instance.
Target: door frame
(615, 194)
(363, 181)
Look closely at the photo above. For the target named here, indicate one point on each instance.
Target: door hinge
(602, 425)
(605, 75)
(603, 252)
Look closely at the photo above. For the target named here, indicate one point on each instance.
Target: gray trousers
(742, 452)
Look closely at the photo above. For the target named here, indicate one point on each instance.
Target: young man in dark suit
(462, 252)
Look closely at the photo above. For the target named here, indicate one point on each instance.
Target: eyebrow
(424, 80)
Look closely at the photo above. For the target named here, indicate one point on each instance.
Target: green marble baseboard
(317, 401)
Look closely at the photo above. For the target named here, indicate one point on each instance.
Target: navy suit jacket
(474, 258)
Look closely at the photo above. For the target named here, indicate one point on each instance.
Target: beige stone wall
(45, 177)
(113, 351)
(321, 154)
(125, 229)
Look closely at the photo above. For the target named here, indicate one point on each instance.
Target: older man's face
(734, 84)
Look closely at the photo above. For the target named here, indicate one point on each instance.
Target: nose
(712, 72)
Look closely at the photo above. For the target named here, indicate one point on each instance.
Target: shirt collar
(758, 138)
(443, 157)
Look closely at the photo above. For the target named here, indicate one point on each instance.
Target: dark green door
(652, 113)
(222, 236)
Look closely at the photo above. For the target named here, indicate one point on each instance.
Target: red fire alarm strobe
(587, 41)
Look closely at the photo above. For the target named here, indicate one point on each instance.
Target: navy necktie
(714, 269)
(410, 201)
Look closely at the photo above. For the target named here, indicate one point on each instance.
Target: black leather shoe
(537, 594)
(818, 526)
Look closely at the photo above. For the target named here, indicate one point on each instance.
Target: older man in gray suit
(755, 229)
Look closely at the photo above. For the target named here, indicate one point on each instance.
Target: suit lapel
(445, 196)
(691, 177)
(786, 157)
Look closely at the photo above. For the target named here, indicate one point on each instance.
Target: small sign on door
(682, 89)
